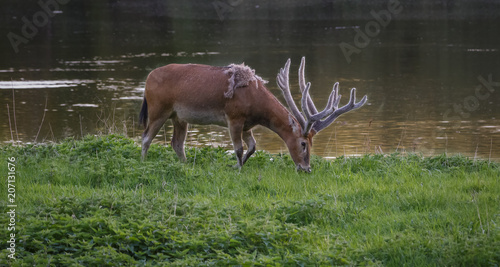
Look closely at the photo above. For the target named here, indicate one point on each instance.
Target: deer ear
(294, 124)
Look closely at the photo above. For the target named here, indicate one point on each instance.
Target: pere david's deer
(236, 98)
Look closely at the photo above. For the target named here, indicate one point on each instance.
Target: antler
(282, 80)
(352, 105)
(311, 119)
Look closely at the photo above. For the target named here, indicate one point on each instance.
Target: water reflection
(415, 73)
(42, 84)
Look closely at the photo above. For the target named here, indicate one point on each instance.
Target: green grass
(92, 202)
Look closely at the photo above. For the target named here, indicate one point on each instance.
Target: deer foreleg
(250, 141)
(236, 132)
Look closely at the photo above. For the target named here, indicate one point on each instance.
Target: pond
(433, 82)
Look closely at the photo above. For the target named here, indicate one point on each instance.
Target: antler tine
(282, 80)
(305, 97)
(352, 105)
(305, 108)
(331, 105)
(302, 84)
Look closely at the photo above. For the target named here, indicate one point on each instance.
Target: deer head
(310, 120)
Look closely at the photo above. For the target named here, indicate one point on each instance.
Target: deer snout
(302, 168)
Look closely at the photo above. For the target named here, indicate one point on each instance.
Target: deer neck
(277, 118)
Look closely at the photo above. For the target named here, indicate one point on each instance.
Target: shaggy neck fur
(240, 76)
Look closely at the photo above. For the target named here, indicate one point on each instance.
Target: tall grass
(93, 202)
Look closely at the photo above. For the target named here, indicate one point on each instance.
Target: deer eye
(303, 144)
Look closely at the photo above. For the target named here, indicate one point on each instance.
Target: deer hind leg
(250, 141)
(156, 121)
(178, 138)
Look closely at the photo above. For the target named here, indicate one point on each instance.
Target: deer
(235, 98)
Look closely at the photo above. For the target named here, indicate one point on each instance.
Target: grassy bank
(93, 202)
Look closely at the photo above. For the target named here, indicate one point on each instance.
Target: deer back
(203, 94)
